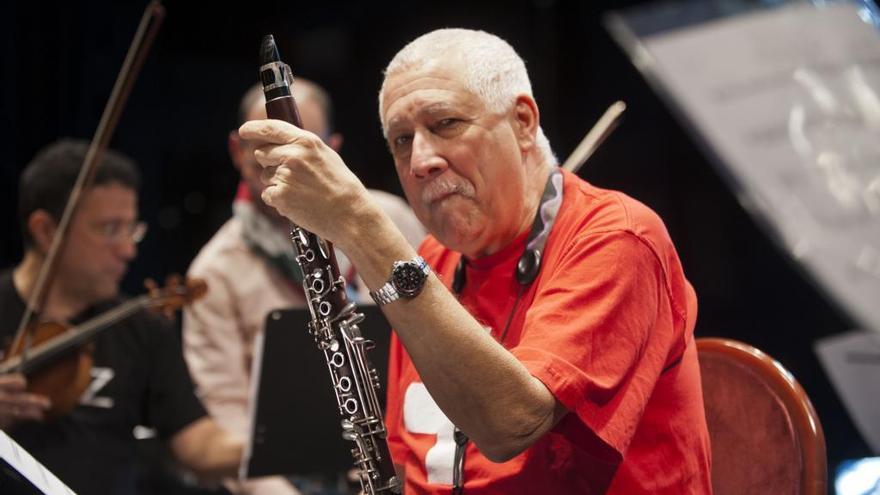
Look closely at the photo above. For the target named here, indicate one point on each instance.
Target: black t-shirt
(138, 378)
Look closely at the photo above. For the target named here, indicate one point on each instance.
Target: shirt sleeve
(214, 349)
(598, 334)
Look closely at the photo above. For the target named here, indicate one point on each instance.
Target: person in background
(249, 265)
(138, 376)
(544, 330)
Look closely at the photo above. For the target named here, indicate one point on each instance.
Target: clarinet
(334, 323)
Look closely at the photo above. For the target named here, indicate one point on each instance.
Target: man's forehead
(110, 187)
(428, 96)
(107, 198)
(427, 71)
(424, 107)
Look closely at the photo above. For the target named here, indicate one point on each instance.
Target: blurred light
(858, 477)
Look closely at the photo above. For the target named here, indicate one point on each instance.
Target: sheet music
(852, 361)
(29, 468)
(788, 101)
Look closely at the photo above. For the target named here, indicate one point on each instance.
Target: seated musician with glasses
(138, 376)
(544, 330)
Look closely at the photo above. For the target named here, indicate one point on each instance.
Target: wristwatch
(407, 280)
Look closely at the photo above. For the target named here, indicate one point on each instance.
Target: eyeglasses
(115, 231)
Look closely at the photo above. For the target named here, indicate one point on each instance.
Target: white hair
(492, 70)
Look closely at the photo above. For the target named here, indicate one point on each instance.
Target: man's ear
(526, 120)
(42, 227)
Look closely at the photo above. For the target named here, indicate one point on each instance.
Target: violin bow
(600, 131)
(131, 66)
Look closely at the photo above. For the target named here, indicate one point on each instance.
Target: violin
(58, 362)
(28, 332)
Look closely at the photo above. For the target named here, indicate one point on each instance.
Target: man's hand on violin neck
(17, 404)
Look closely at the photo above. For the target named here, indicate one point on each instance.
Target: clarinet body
(334, 323)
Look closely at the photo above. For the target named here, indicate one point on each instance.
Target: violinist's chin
(104, 289)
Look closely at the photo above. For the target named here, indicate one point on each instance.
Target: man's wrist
(407, 280)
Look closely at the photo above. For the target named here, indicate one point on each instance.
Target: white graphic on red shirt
(422, 415)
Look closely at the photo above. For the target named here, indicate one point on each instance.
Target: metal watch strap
(388, 292)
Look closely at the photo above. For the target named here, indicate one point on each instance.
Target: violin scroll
(176, 293)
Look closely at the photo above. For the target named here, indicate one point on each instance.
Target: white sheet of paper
(788, 100)
(852, 361)
(31, 469)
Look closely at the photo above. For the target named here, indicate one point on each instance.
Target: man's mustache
(440, 188)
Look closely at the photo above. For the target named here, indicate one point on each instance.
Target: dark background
(59, 63)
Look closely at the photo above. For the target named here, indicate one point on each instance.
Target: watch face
(408, 278)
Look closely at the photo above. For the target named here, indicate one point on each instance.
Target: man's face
(99, 244)
(460, 165)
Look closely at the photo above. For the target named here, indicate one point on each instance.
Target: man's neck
(58, 305)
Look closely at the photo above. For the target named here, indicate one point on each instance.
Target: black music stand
(295, 427)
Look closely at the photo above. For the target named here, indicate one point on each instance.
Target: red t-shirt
(608, 327)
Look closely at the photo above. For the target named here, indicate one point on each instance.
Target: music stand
(295, 422)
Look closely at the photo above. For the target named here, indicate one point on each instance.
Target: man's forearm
(208, 450)
(477, 383)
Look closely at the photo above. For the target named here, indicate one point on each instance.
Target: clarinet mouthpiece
(269, 50)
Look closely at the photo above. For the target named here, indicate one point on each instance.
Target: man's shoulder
(595, 210)
(224, 246)
(630, 227)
